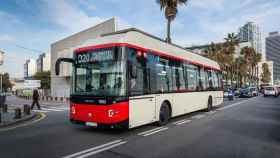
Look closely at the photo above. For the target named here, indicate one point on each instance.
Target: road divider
(96, 149)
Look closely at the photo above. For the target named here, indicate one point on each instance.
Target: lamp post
(1, 75)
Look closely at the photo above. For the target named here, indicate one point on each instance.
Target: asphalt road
(241, 128)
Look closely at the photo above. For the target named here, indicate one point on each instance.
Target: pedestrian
(35, 99)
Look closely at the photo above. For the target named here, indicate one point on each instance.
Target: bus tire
(164, 114)
(209, 104)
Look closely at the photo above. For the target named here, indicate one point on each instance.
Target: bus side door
(141, 110)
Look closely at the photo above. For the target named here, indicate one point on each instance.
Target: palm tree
(171, 9)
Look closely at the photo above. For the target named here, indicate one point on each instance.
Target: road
(243, 128)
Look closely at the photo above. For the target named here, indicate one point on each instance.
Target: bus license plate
(91, 124)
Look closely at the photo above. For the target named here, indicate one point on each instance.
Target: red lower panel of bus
(105, 114)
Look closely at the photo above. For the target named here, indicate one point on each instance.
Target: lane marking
(42, 116)
(198, 116)
(93, 149)
(151, 130)
(163, 129)
(187, 121)
(48, 109)
(235, 104)
(179, 121)
(101, 150)
(43, 111)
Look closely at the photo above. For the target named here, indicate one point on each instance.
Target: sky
(36, 24)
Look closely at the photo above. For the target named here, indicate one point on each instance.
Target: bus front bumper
(100, 115)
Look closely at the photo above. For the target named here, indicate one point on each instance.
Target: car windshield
(245, 90)
(269, 88)
(253, 89)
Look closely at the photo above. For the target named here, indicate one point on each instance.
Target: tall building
(250, 32)
(60, 85)
(29, 68)
(43, 62)
(273, 53)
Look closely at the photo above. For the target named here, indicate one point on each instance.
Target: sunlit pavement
(239, 128)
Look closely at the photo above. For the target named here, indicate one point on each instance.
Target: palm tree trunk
(168, 39)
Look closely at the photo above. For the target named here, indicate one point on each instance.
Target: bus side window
(138, 73)
(192, 75)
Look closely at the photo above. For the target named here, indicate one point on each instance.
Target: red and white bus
(130, 78)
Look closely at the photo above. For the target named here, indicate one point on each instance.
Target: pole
(1, 83)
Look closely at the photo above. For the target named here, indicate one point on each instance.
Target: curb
(16, 122)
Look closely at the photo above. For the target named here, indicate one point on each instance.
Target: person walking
(35, 99)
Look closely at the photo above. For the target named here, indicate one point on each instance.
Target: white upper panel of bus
(138, 38)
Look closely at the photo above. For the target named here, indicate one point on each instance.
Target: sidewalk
(14, 101)
(8, 118)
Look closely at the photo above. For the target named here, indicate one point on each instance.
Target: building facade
(250, 32)
(29, 68)
(60, 85)
(43, 62)
(273, 54)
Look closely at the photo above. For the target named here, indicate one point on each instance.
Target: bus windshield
(105, 78)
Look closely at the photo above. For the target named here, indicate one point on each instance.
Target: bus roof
(145, 41)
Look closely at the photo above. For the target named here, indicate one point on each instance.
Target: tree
(45, 78)
(6, 84)
(252, 58)
(266, 74)
(171, 9)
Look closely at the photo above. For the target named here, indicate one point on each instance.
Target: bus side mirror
(133, 71)
(59, 61)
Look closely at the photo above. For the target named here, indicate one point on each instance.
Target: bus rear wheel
(164, 114)
(209, 104)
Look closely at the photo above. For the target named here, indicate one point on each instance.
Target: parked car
(254, 91)
(271, 91)
(249, 92)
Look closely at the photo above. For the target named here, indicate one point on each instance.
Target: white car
(270, 91)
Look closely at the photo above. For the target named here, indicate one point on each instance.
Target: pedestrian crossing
(47, 109)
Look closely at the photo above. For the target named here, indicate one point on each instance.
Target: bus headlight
(112, 112)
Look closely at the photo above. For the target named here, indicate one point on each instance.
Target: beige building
(60, 85)
(270, 66)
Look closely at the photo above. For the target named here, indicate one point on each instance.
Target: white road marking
(179, 121)
(43, 111)
(198, 116)
(235, 104)
(163, 129)
(95, 149)
(101, 150)
(211, 112)
(151, 130)
(186, 121)
(49, 109)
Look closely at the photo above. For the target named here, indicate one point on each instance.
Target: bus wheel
(209, 104)
(164, 114)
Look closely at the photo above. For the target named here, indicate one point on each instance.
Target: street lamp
(1, 75)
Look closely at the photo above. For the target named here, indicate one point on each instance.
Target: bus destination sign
(95, 56)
